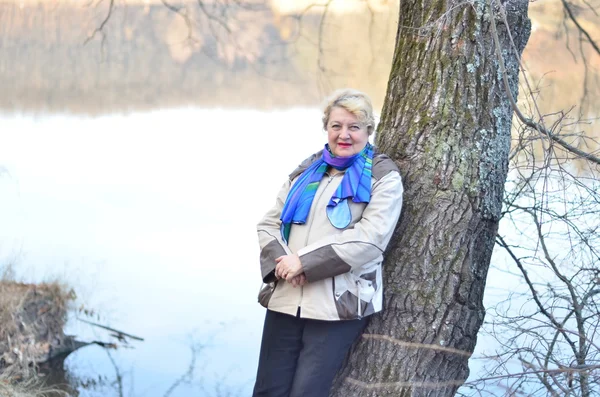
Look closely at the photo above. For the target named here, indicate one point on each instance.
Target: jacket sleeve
(364, 242)
(269, 236)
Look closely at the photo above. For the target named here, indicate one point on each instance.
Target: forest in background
(145, 61)
(52, 58)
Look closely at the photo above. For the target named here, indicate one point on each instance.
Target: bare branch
(100, 29)
(534, 294)
(579, 27)
(521, 116)
(189, 373)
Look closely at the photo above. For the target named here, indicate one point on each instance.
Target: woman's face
(346, 135)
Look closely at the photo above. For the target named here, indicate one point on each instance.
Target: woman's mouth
(344, 145)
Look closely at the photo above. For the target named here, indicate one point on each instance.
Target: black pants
(300, 357)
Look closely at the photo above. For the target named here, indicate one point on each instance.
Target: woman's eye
(354, 128)
(335, 126)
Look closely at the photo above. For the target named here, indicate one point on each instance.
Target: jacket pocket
(265, 293)
(365, 289)
(352, 296)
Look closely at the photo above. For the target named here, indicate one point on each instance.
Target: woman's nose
(345, 133)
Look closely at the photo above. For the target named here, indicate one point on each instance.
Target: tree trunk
(446, 122)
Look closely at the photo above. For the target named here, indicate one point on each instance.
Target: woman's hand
(288, 267)
(299, 280)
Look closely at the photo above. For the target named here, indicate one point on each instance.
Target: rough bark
(446, 122)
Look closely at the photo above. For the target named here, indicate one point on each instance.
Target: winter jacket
(342, 266)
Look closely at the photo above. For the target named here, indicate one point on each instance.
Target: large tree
(446, 121)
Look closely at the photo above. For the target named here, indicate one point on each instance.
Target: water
(151, 218)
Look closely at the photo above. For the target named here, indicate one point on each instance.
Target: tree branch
(521, 116)
(535, 296)
(581, 29)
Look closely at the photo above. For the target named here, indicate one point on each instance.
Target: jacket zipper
(310, 218)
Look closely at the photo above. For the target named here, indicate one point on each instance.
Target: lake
(151, 217)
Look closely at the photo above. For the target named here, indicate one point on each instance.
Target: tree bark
(446, 122)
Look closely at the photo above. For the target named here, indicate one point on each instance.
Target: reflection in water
(121, 383)
(55, 375)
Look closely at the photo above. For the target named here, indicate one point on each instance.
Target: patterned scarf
(356, 183)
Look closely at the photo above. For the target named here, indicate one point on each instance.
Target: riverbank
(32, 320)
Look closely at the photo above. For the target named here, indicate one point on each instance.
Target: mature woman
(322, 248)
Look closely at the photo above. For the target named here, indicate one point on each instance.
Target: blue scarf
(355, 184)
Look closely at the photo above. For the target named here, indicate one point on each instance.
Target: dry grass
(32, 318)
(31, 388)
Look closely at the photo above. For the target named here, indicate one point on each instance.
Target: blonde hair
(356, 102)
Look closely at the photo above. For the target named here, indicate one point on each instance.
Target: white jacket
(342, 266)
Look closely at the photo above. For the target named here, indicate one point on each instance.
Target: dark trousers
(300, 357)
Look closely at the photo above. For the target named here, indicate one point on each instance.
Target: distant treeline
(142, 60)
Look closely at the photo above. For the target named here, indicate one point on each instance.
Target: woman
(322, 248)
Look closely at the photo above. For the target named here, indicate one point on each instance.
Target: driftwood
(120, 335)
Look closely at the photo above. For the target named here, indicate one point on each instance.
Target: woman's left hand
(288, 267)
